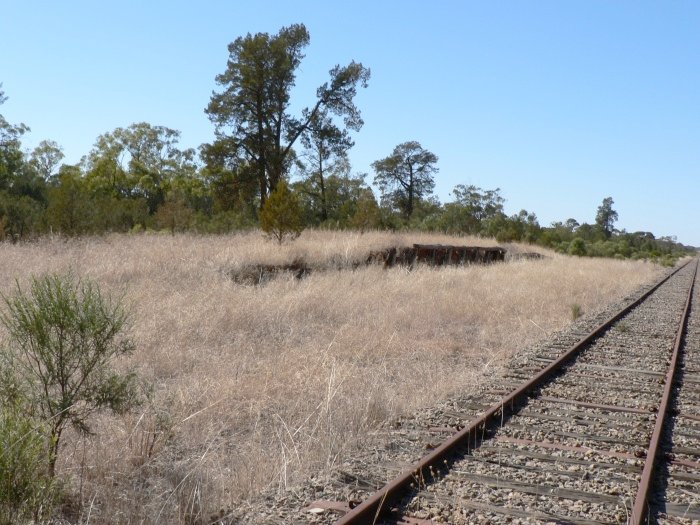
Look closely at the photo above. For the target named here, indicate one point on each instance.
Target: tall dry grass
(260, 386)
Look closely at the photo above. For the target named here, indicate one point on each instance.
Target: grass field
(259, 386)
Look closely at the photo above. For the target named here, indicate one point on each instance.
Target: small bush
(668, 261)
(26, 491)
(576, 311)
(577, 247)
(63, 334)
(622, 327)
(281, 215)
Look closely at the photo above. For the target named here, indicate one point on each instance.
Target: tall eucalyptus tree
(251, 112)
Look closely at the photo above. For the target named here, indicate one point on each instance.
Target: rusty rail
(638, 516)
(380, 502)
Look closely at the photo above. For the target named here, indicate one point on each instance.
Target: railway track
(570, 439)
(675, 496)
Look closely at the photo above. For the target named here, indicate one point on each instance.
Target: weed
(576, 311)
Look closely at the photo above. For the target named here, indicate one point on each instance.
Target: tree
(342, 191)
(281, 214)
(20, 216)
(326, 150)
(406, 175)
(71, 208)
(139, 162)
(367, 214)
(571, 225)
(526, 225)
(605, 217)
(22, 191)
(251, 115)
(471, 208)
(62, 336)
(173, 214)
(11, 156)
(45, 158)
(233, 182)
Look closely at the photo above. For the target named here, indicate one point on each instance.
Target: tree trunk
(54, 440)
(322, 187)
(410, 191)
(263, 188)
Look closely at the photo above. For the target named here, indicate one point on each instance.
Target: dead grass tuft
(259, 386)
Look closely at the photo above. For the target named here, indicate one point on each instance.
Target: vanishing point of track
(606, 431)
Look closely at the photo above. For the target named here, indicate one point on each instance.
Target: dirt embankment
(425, 254)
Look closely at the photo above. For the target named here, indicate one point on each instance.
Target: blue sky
(559, 104)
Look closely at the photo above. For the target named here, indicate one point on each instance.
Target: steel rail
(379, 503)
(638, 516)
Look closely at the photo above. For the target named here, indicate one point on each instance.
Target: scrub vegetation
(237, 361)
(254, 387)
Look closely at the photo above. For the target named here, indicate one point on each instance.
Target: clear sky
(558, 103)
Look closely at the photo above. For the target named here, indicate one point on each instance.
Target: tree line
(139, 177)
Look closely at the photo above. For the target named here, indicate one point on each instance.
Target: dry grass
(259, 386)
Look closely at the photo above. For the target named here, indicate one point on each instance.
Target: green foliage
(173, 214)
(223, 222)
(471, 209)
(367, 215)
(668, 261)
(406, 176)
(605, 217)
(27, 493)
(335, 206)
(577, 247)
(20, 216)
(281, 215)
(255, 132)
(325, 162)
(22, 190)
(136, 178)
(426, 213)
(621, 245)
(69, 210)
(77, 207)
(63, 335)
(141, 161)
(522, 226)
(233, 186)
(45, 159)
(11, 156)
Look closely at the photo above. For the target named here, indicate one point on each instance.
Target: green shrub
(577, 247)
(281, 215)
(668, 260)
(26, 491)
(623, 248)
(63, 334)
